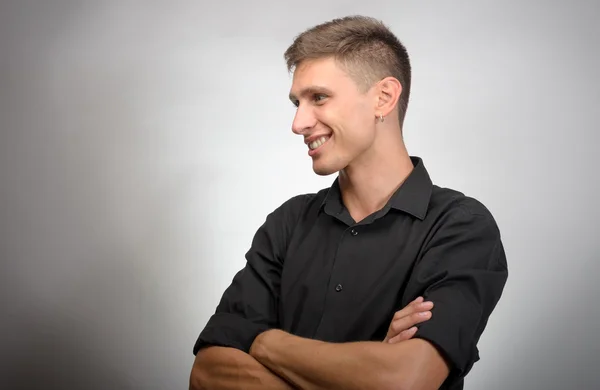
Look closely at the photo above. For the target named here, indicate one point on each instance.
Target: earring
(381, 117)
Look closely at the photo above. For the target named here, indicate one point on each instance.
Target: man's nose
(304, 120)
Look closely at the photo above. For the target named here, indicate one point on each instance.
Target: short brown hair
(364, 46)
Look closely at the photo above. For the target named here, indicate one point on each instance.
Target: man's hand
(403, 324)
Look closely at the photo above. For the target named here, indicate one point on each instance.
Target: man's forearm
(311, 364)
(222, 368)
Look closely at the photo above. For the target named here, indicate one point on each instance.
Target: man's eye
(319, 97)
(295, 103)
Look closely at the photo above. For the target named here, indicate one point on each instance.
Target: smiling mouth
(318, 142)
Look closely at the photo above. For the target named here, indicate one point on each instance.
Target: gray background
(143, 143)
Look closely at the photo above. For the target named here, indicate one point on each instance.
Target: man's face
(335, 118)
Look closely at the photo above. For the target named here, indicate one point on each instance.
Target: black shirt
(314, 272)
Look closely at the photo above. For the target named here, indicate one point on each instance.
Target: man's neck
(367, 185)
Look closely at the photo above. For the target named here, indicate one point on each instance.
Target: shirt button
(338, 288)
(353, 232)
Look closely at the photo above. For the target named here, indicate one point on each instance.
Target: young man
(328, 272)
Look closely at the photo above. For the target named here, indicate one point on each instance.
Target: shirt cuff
(229, 330)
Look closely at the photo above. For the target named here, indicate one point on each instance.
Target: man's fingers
(408, 321)
(415, 306)
(412, 314)
(403, 336)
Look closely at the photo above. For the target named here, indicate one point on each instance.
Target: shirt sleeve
(463, 271)
(250, 303)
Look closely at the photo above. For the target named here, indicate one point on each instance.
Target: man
(335, 281)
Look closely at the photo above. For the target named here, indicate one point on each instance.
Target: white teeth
(315, 144)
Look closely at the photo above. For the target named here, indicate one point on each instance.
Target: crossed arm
(311, 364)
(279, 360)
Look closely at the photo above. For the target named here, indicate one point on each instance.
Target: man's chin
(323, 170)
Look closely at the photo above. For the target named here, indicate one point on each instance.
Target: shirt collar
(411, 197)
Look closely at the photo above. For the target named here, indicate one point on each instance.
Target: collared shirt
(314, 272)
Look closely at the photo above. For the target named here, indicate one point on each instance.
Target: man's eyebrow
(309, 91)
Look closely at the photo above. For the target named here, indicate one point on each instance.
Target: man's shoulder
(461, 221)
(284, 219)
(449, 201)
(304, 201)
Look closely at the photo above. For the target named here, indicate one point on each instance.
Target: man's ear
(388, 94)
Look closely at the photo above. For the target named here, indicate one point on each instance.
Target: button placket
(334, 297)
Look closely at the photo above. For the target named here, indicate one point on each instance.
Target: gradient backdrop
(143, 143)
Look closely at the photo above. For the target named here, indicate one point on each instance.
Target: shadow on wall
(77, 339)
(103, 301)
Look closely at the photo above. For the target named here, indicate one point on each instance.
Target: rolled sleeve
(249, 306)
(229, 330)
(463, 271)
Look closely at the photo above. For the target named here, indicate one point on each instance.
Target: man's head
(349, 74)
